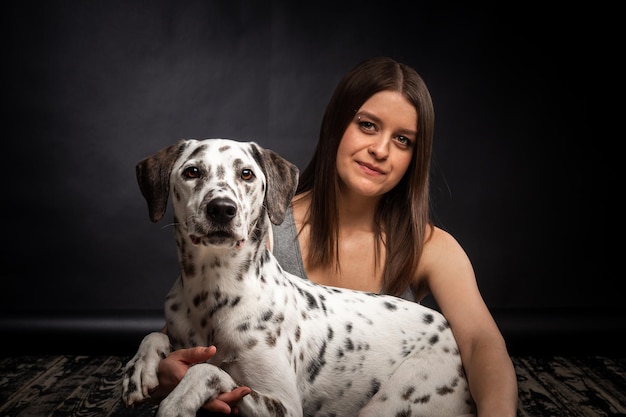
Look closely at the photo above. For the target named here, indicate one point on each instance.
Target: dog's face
(219, 188)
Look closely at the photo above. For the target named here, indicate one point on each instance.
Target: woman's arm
(451, 280)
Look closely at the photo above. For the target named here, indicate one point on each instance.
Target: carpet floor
(73, 385)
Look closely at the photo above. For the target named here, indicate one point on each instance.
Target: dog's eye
(191, 173)
(247, 174)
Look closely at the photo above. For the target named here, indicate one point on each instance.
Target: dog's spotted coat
(304, 349)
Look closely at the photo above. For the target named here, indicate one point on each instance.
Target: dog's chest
(225, 305)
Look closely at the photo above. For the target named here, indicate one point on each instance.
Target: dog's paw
(183, 402)
(140, 373)
(201, 383)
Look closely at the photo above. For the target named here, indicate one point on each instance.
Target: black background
(95, 86)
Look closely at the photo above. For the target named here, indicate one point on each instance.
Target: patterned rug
(72, 385)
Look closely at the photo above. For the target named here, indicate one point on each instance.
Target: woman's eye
(191, 173)
(403, 140)
(247, 174)
(366, 125)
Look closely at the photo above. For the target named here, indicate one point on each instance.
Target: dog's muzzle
(221, 210)
(220, 213)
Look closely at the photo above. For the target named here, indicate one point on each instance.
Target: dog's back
(351, 345)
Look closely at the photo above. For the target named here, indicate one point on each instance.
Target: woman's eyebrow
(408, 132)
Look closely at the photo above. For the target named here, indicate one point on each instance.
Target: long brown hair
(403, 212)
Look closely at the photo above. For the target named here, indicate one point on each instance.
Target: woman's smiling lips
(370, 169)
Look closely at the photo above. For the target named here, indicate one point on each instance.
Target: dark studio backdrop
(92, 87)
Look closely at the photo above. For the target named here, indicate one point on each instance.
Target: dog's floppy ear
(282, 181)
(153, 175)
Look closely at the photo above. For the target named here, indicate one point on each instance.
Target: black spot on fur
(311, 302)
(243, 268)
(422, 400)
(270, 339)
(390, 306)
(445, 390)
(349, 345)
(374, 387)
(200, 298)
(213, 382)
(316, 365)
(255, 396)
(200, 149)
(218, 307)
(428, 318)
(275, 407)
(407, 393)
(433, 339)
(279, 318)
(298, 333)
(220, 172)
(132, 387)
(257, 234)
(317, 406)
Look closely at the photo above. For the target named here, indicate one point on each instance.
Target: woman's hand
(175, 365)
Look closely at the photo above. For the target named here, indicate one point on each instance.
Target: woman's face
(377, 146)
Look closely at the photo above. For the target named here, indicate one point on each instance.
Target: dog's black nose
(221, 210)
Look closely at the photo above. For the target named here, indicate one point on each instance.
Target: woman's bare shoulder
(441, 243)
(443, 259)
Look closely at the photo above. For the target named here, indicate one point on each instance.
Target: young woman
(361, 220)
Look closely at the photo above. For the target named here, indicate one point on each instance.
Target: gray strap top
(286, 249)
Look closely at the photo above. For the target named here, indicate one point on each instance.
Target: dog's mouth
(215, 239)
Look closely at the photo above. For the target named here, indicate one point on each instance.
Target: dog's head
(219, 187)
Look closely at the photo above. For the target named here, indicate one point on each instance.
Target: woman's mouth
(370, 169)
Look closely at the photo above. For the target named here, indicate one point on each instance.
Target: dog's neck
(221, 268)
(215, 281)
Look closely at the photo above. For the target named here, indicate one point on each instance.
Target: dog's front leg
(204, 382)
(140, 374)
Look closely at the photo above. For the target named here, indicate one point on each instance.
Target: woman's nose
(379, 148)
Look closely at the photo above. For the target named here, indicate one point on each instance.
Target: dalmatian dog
(304, 349)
